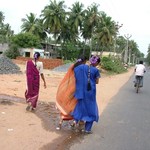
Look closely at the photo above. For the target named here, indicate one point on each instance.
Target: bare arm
(42, 76)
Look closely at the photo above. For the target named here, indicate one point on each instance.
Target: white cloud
(15, 10)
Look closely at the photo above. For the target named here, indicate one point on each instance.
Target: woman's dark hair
(81, 59)
(36, 56)
(141, 62)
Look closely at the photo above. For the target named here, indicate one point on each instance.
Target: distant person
(65, 100)
(34, 69)
(87, 76)
(139, 71)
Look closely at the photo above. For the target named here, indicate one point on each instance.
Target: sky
(133, 14)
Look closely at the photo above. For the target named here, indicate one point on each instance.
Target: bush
(26, 40)
(12, 52)
(107, 63)
(112, 64)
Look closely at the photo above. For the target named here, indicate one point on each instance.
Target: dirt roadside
(21, 130)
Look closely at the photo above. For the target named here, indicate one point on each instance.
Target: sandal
(28, 108)
(32, 109)
(58, 127)
(88, 132)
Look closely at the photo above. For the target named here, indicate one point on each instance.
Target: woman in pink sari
(34, 69)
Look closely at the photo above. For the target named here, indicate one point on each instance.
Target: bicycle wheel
(137, 85)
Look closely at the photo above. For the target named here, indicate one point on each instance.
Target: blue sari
(86, 108)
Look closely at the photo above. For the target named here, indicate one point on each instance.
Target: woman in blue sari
(87, 76)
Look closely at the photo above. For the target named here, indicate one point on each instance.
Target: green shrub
(107, 63)
(12, 52)
(112, 64)
(68, 61)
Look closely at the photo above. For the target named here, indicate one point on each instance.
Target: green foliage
(148, 59)
(12, 52)
(5, 29)
(26, 40)
(148, 55)
(68, 61)
(98, 30)
(112, 64)
(70, 51)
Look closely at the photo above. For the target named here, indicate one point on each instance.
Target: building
(106, 54)
(29, 52)
(51, 50)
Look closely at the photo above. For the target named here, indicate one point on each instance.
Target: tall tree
(29, 23)
(34, 25)
(2, 17)
(104, 34)
(5, 30)
(120, 44)
(76, 16)
(53, 16)
(148, 55)
(93, 19)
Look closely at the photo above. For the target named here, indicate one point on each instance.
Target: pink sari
(33, 84)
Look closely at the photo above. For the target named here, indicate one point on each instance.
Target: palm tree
(8, 30)
(65, 35)
(85, 33)
(33, 25)
(103, 33)
(120, 45)
(2, 37)
(40, 30)
(76, 16)
(53, 17)
(1, 17)
(93, 19)
(5, 33)
(29, 23)
(148, 55)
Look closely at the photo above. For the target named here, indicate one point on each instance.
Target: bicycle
(138, 83)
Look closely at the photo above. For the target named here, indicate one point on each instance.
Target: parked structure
(29, 52)
(106, 54)
(48, 51)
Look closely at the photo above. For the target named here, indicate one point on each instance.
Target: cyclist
(139, 71)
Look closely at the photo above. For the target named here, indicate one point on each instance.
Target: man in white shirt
(139, 71)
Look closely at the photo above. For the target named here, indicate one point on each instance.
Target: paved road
(125, 123)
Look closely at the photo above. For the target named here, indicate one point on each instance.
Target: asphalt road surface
(125, 123)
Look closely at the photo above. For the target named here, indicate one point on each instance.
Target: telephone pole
(127, 47)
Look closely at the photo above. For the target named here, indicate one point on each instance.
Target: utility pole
(127, 47)
(129, 56)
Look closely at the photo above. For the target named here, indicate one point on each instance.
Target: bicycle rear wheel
(138, 85)
(137, 88)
